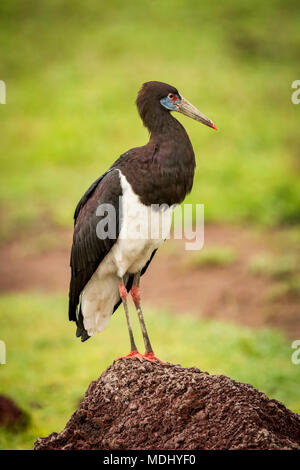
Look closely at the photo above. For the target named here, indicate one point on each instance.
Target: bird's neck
(159, 121)
(162, 171)
(169, 134)
(174, 145)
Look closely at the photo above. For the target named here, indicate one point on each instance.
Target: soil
(11, 415)
(141, 405)
(40, 261)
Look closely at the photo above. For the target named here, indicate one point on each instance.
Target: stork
(144, 183)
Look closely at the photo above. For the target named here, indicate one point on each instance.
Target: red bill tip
(214, 126)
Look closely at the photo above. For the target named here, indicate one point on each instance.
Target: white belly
(143, 230)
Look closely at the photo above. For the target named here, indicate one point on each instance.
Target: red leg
(149, 355)
(123, 291)
(135, 294)
(134, 352)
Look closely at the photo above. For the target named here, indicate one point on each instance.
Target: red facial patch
(174, 99)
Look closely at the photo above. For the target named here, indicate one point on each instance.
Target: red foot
(152, 358)
(131, 354)
(146, 357)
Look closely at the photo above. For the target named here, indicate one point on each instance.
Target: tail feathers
(81, 331)
(94, 322)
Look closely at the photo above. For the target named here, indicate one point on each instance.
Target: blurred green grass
(48, 369)
(73, 70)
(211, 256)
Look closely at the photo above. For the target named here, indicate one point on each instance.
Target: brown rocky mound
(11, 415)
(136, 405)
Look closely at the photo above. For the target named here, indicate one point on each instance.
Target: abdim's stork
(106, 269)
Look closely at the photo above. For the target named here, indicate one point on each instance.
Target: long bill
(186, 108)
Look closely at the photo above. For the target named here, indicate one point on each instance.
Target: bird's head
(155, 96)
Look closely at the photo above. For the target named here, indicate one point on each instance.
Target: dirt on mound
(11, 415)
(140, 405)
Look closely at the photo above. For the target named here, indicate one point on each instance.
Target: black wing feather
(88, 250)
(87, 195)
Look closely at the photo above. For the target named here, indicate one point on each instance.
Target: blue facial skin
(167, 103)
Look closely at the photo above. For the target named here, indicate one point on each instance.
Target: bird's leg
(134, 350)
(135, 293)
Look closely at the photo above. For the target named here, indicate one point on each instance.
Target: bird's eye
(173, 97)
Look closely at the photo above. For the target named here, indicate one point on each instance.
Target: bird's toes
(151, 357)
(132, 354)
